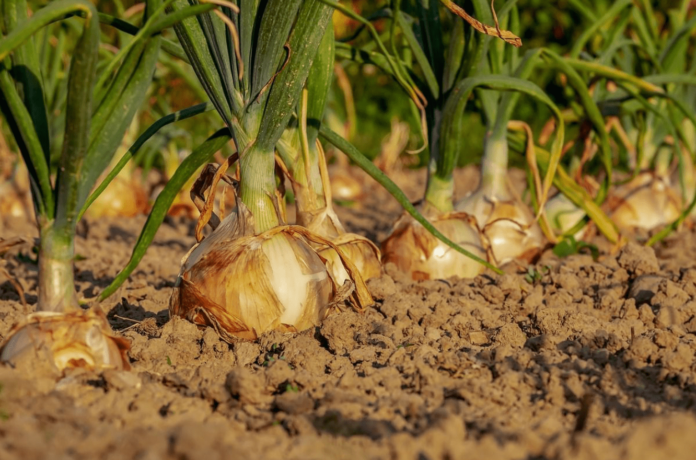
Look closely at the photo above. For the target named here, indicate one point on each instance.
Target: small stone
(646, 315)
(638, 260)
(432, 334)
(644, 288)
(641, 349)
(512, 335)
(666, 316)
(680, 358)
(478, 338)
(665, 339)
(381, 287)
(247, 387)
(210, 339)
(277, 373)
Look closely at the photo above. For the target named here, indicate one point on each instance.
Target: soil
(586, 360)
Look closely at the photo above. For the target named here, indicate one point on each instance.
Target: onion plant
(643, 73)
(449, 77)
(662, 131)
(96, 118)
(254, 273)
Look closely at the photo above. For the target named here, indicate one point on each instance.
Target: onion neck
(494, 166)
(257, 188)
(56, 276)
(440, 193)
(649, 149)
(663, 157)
(307, 186)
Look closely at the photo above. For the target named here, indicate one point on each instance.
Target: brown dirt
(593, 361)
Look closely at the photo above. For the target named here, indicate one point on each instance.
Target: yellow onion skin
(646, 202)
(79, 339)
(244, 285)
(507, 225)
(415, 251)
(362, 252)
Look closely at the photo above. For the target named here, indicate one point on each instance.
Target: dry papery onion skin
(243, 284)
(77, 339)
(646, 202)
(361, 251)
(415, 251)
(508, 227)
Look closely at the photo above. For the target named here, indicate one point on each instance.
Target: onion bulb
(77, 339)
(12, 202)
(243, 284)
(15, 198)
(361, 251)
(414, 250)
(507, 225)
(563, 215)
(344, 186)
(124, 197)
(646, 202)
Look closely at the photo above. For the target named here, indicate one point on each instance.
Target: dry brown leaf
(505, 35)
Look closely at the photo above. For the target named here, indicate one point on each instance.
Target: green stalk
(308, 188)
(56, 282)
(494, 165)
(257, 187)
(257, 179)
(26, 72)
(309, 192)
(56, 275)
(309, 196)
(440, 193)
(149, 132)
(497, 153)
(649, 147)
(495, 158)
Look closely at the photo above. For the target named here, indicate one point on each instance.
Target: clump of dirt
(584, 360)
